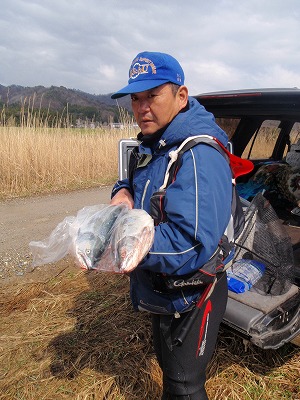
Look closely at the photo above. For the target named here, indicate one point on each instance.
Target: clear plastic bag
(103, 237)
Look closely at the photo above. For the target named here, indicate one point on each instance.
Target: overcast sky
(89, 44)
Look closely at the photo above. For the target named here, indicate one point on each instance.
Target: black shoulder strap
(201, 139)
(187, 146)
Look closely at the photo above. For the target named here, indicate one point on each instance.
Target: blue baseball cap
(149, 70)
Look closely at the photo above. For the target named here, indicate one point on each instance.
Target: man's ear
(183, 95)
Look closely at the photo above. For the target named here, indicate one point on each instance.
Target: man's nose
(143, 105)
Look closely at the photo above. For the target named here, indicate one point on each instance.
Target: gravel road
(34, 218)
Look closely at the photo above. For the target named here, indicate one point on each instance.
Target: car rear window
(228, 125)
(262, 142)
(294, 136)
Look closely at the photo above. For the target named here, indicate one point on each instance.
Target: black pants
(184, 366)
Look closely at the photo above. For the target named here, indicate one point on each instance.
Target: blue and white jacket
(197, 204)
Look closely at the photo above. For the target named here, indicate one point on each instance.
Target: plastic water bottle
(243, 274)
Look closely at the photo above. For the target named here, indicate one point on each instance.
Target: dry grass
(76, 337)
(48, 160)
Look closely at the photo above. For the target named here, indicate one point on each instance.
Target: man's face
(155, 108)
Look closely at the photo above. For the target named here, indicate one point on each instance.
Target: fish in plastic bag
(131, 239)
(110, 238)
(93, 235)
(84, 236)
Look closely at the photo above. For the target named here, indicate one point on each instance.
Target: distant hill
(54, 99)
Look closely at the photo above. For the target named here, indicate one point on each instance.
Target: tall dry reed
(39, 160)
(40, 154)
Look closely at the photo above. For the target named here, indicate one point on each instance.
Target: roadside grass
(47, 160)
(75, 336)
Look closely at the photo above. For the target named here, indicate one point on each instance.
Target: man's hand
(123, 196)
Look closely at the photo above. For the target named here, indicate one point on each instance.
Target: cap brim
(137, 87)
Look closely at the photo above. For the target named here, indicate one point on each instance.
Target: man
(197, 206)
